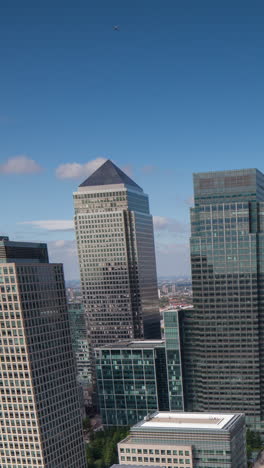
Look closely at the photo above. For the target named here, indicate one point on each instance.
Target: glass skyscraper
(224, 334)
(114, 232)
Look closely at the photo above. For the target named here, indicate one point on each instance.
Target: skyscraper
(40, 407)
(114, 232)
(224, 346)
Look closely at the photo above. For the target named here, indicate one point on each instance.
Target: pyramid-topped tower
(115, 240)
(109, 174)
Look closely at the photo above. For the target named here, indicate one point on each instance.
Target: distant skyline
(178, 89)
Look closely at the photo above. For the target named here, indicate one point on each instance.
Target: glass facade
(127, 382)
(80, 346)
(135, 378)
(12, 251)
(224, 345)
(173, 337)
(114, 232)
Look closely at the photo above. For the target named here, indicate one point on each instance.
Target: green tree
(87, 424)
(109, 455)
(101, 451)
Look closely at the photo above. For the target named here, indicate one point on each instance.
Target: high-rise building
(81, 348)
(12, 251)
(40, 407)
(136, 377)
(114, 232)
(224, 341)
(193, 440)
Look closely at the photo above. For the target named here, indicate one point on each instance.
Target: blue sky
(178, 89)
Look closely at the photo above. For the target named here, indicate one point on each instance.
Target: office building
(81, 348)
(40, 408)
(173, 334)
(135, 378)
(12, 251)
(131, 381)
(181, 440)
(114, 233)
(224, 333)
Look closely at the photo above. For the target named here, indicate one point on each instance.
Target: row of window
(155, 451)
(181, 461)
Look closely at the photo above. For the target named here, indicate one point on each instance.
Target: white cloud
(52, 224)
(65, 251)
(162, 223)
(20, 165)
(76, 170)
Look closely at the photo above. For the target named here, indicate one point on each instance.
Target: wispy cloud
(128, 169)
(20, 165)
(76, 170)
(189, 201)
(162, 223)
(52, 224)
(148, 169)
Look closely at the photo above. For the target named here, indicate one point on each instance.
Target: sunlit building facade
(114, 232)
(224, 333)
(39, 401)
(186, 440)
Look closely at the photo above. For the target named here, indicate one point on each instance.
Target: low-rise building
(181, 440)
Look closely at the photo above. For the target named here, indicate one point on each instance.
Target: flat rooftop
(134, 344)
(135, 466)
(175, 420)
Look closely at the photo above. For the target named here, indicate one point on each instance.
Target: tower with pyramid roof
(114, 232)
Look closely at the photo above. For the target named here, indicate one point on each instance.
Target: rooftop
(109, 174)
(134, 344)
(174, 420)
(134, 466)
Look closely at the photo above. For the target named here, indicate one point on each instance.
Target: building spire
(109, 174)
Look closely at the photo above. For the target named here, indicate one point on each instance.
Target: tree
(87, 424)
(101, 451)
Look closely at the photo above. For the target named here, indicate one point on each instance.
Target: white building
(181, 440)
